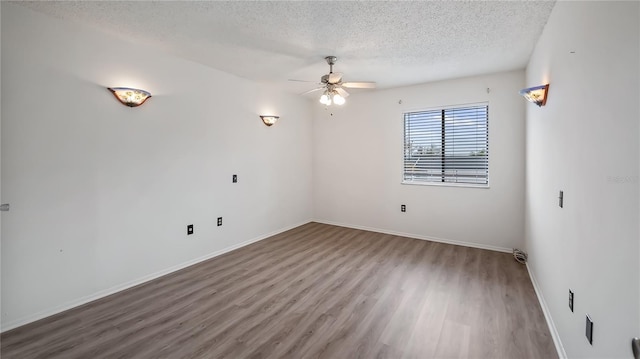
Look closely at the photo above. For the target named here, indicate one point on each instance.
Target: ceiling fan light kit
(338, 100)
(325, 99)
(331, 83)
(332, 96)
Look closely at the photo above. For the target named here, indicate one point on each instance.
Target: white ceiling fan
(333, 86)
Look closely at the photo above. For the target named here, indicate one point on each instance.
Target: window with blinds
(447, 146)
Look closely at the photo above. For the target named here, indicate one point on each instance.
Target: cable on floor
(520, 256)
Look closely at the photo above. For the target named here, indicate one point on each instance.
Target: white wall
(358, 165)
(585, 142)
(101, 194)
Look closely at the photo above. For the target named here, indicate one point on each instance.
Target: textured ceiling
(391, 43)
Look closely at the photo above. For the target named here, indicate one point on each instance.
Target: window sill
(446, 184)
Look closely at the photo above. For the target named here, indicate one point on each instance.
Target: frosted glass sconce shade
(537, 95)
(269, 120)
(130, 97)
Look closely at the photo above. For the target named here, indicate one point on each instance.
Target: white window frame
(444, 183)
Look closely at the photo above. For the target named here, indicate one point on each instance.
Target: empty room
(320, 179)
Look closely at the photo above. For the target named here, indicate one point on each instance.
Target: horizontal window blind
(447, 145)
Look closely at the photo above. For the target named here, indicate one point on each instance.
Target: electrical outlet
(589, 330)
(219, 221)
(190, 229)
(234, 179)
(561, 199)
(571, 300)
(403, 208)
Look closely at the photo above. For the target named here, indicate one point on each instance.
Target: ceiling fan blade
(313, 90)
(342, 92)
(335, 77)
(294, 80)
(360, 85)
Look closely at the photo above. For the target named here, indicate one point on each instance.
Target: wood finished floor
(316, 291)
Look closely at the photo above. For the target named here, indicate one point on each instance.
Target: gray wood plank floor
(316, 291)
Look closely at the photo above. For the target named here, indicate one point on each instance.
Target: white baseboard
(547, 315)
(103, 293)
(418, 236)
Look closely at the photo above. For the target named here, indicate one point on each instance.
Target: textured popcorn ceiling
(391, 43)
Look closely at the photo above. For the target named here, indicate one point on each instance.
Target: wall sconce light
(130, 97)
(537, 95)
(269, 120)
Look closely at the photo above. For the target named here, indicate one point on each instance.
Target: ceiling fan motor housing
(331, 60)
(332, 84)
